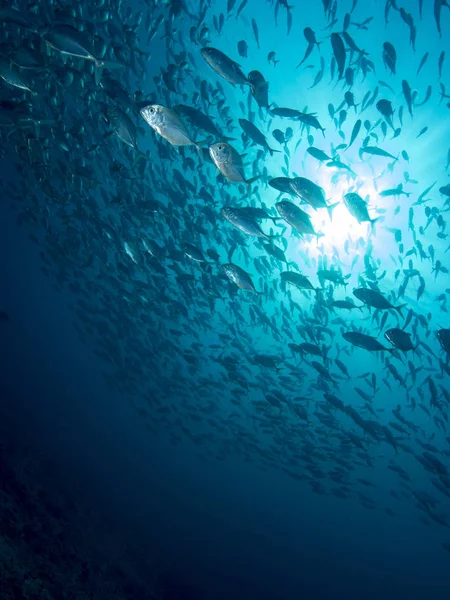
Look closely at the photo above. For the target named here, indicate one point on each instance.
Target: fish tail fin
(200, 153)
(372, 223)
(399, 308)
(198, 146)
(330, 209)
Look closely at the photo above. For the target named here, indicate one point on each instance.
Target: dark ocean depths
(165, 434)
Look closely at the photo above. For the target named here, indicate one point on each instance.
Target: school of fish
(188, 211)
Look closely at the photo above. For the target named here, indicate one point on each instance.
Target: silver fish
(229, 162)
(224, 66)
(240, 277)
(167, 124)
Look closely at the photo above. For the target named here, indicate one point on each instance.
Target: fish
(355, 132)
(376, 300)
(399, 339)
(385, 108)
(224, 66)
(305, 347)
(15, 16)
(422, 62)
(11, 75)
(296, 218)
(312, 194)
(297, 280)
(122, 125)
(69, 41)
(375, 151)
(310, 37)
(241, 278)
(256, 135)
(271, 58)
(220, 310)
(397, 191)
(344, 304)
(243, 49)
(229, 162)
(389, 57)
(441, 62)
(259, 88)
(408, 95)
(193, 253)
(282, 184)
(443, 335)
(255, 32)
(167, 124)
(198, 119)
(245, 223)
(362, 340)
(339, 53)
(318, 154)
(357, 207)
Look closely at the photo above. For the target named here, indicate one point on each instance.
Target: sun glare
(342, 226)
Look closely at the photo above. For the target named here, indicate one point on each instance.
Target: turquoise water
(173, 397)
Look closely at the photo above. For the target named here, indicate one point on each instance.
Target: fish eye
(220, 147)
(151, 110)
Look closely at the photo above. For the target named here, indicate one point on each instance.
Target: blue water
(185, 460)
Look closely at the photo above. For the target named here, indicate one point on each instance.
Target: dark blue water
(170, 454)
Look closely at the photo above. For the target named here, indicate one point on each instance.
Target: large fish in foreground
(375, 300)
(167, 124)
(240, 277)
(229, 162)
(282, 184)
(399, 339)
(245, 223)
(311, 193)
(296, 218)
